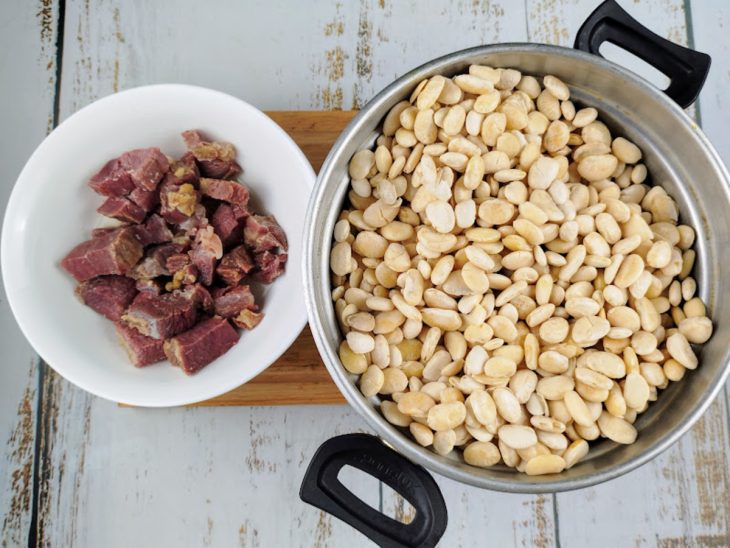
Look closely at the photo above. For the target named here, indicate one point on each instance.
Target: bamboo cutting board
(299, 376)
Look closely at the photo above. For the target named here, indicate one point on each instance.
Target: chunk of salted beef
(142, 350)
(196, 348)
(147, 200)
(235, 265)
(184, 170)
(232, 192)
(206, 252)
(178, 202)
(153, 231)
(118, 207)
(154, 263)
(108, 295)
(114, 252)
(161, 316)
(199, 295)
(112, 180)
(146, 166)
(269, 266)
(198, 220)
(248, 319)
(263, 233)
(230, 301)
(228, 222)
(217, 160)
(149, 286)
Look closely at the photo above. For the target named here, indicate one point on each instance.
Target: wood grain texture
(28, 33)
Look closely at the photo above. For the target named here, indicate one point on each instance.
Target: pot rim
(389, 433)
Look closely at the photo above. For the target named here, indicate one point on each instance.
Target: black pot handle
(686, 68)
(322, 489)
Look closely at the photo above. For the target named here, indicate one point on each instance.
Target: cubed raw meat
(217, 160)
(145, 199)
(184, 170)
(198, 294)
(112, 180)
(114, 252)
(263, 233)
(108, 295)
(248, 319)
(153, 231)
(142, 350)
(146, 166)
(269, 266)
(205, 254)
(227, 191)
(235, 265)
(228, 222)
(230, 301)
(178, 202)
(118, 207)
(161, 316)
(196, 348)
(148, 285)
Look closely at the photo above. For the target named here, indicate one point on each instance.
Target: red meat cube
(161, 316)
(184, 170)
(235, 265)
(228, 222)
(142, 350)
(153, 231)
(154, 263)
(269, 266)
(145, 199)
(206, 252)
(112, 180)
(230, 301)
(178, 202)
(227, 191)
(108, 295)
(248, 319)
(263, 233)
(149, 286)
(217, 160)
(118, 207)
(114, 252)
(196, 348)
(146, 166)
(199, 295)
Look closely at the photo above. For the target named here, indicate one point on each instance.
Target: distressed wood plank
(681, 498)
(710, 25)
(27, 70)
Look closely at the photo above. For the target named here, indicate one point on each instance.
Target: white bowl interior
(52, 209)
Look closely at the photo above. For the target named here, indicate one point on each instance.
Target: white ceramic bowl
(52, 209)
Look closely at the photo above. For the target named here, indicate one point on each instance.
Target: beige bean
(616, 429)
(446, 416)
(517, 436)
(679, 349)
(482, 454)
(371, 381)
(555, 388)
(545, 464)
(696, 329)
(444, 442)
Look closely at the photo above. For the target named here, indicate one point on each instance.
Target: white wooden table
(79, 471)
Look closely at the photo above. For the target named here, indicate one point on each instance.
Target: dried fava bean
(446, 416)
(371, 381)
(696, 329)
(517, 436)
(482, 454)
(679, 349)
(616, 429)
(544, 464)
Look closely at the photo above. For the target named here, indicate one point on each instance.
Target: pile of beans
(507, 281)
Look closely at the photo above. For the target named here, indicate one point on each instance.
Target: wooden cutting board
(299, 376)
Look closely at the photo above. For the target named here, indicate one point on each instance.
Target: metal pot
(678, 156)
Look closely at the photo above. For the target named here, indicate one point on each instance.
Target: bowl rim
(389, 433)
(296, 322)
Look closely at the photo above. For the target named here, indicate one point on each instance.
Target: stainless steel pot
(679, 157)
